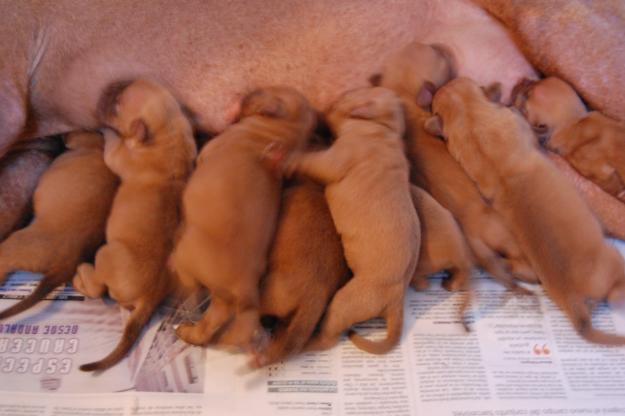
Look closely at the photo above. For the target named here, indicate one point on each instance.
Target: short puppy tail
(46, 285)
(394, 322)
(138, 319)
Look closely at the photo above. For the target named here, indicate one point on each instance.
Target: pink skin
(209, 66)
(57, 57)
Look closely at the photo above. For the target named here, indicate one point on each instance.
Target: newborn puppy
(152, 150)
(591, 142)
(366, 174)
(306, 267)
(71, 204)
(499, 152)
(443, 247)
(230, 212)
(414, 73)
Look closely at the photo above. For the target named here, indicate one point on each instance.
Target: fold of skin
(609, 210)
(580, 41)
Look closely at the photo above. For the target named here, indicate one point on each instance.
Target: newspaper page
(521, 357)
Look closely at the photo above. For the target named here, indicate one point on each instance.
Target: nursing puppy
(230, 212)
(499, 152)
(443, 246)
(366, 176)
(71, 204)
(591, 142)
(150, 147)
(414, 73)
(306, 267)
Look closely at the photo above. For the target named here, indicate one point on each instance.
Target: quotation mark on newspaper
(541, 350)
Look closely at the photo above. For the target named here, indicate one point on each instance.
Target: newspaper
(521, 357)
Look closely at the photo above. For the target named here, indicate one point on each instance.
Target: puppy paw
(274, 156)
(85, 283)
(188, 332)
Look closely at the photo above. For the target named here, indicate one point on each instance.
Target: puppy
(150, 146)
(230, 212)
(71, 204)
(498, 150)
(365, 173)
(414, 73)
(443, 246)
(306, 268)
(591, 142)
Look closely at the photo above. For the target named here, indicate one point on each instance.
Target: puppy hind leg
(90, 280)
(493, 265)
(325, 166)
(353, 303)
(291, 338)
(218, 314)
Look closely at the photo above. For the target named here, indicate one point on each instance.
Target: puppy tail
(394, 322)
(46, 285)
(138, 319)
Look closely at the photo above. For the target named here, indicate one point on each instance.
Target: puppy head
(138, 111)
(463, 113)
(279, 104)
(548, 104)
(418, 70)
(378, 105)
(149, 122)
(84, 140)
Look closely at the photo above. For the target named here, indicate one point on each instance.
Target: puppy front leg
(326, 166)
(114, 155)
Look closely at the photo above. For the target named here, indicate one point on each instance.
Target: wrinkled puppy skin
(306, 267)
(71, 204)
(366, 176)
(231, 209)
(414, 74)
(498, 150)
(590, 142)
(149, 145)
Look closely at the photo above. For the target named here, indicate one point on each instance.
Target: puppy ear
(107, 103)
(493, 92)
(274, 108)
(425, 94)
(375, 80)
(262, 103)
(139, 134)
(365, 111)
(434, 126)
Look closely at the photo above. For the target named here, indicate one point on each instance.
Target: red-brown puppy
(366, 176)
(498, 150)
(306, 268)
(152, 150)
(230, 212)
(414, 74)
(591, 142)
(443, 246)
(71, 204)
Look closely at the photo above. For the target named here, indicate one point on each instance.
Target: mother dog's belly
(211, 54)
